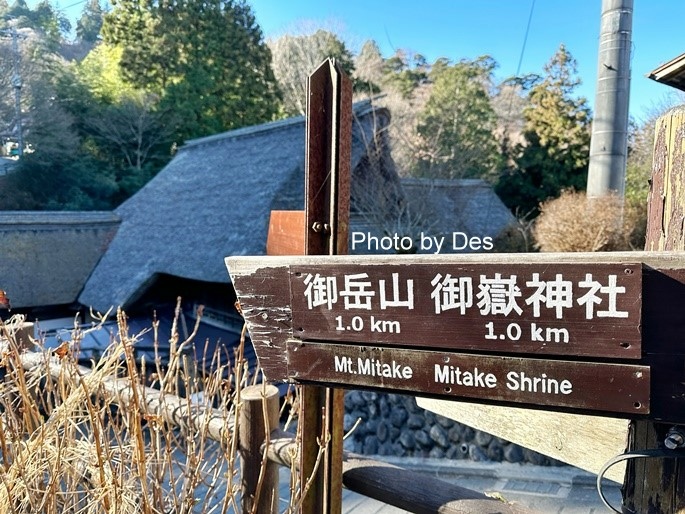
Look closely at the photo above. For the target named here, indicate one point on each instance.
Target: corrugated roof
(211, 201)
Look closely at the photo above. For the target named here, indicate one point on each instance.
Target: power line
(525, 38)
(74, 4)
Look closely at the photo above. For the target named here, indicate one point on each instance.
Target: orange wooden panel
(286, 233)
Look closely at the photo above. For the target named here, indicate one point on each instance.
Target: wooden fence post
(654, 486)
(258, 417)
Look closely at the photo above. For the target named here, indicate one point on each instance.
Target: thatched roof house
(46, 257)
(448, 207)
(213, 200)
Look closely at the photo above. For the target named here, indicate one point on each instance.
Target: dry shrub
(79, 440)
(571, 223)
(515, 238)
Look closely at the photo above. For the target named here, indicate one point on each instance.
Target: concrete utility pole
(609, 144)
(16, 84)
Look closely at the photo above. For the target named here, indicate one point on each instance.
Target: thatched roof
(442, 207)
(46, 257)
(211, 201)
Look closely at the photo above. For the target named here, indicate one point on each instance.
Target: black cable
(638, 454)
(525, 38)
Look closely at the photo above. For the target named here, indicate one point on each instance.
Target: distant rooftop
(46, 257)
(671, 73)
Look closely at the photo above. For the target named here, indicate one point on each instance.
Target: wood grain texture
(657, 486)
(662, 325)
(450, 306)
(269, 327)
(259, 412)
(327, 211)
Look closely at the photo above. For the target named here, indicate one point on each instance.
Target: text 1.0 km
(372, 324)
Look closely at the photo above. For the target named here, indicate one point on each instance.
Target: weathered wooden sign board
(566, 310)
(583, 385)
(588, 333)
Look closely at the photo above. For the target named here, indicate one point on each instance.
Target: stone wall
(393, 424)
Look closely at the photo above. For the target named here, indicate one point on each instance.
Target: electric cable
(525, 38)
(638, 454)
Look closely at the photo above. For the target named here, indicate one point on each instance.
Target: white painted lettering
(445, 374)
(342, 364)
(520, 381)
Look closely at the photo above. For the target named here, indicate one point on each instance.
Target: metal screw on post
(319, 227)
(675, 439)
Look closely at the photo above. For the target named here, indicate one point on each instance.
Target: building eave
(671, 73)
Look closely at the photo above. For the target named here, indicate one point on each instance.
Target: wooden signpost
(568, 332)
(321, 229)
(591, 334)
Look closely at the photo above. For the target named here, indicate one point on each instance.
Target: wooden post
(258, 417)
(658, 485)
(327, 206)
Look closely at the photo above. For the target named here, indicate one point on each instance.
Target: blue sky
(468, 28)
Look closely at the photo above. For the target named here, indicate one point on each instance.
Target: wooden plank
(663, 328)
(586, 442)
(658, 485)
(566, 309)
(327, 160)
(410, 490)
(269, 327)
(262, 287)
(587, 386)
(286, 233)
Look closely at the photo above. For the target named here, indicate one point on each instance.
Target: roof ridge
(360, 108)
(444, 182)
(57, 217)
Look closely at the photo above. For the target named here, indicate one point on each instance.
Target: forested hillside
(104, 104)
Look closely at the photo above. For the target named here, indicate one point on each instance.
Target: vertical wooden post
(656, 486)
(258, 417)
(327, 189)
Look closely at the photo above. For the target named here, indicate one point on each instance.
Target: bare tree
(295, 57)
(377, 194)
(133, 127)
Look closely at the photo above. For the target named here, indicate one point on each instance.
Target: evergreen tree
(206, 61)
(89, 24)
(458, 121)
(42, 18)
(555, 154)
(404, 72)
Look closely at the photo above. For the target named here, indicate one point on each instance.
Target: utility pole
(16, 84)
(609, 144)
